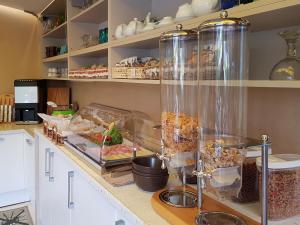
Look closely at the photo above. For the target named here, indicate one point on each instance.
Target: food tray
(122, 155)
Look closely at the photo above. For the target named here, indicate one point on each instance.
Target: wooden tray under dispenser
(186, 216)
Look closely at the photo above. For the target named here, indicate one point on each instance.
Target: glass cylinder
(178, 69)
(223, 67)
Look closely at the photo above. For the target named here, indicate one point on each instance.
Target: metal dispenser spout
(201, 175)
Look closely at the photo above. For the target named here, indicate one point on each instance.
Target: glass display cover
(105, 134)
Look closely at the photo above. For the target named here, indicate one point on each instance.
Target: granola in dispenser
(179, 132)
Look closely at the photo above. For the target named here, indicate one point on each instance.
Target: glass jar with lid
(283, 185)
(223, 68)
(249, 191)
(178, 70)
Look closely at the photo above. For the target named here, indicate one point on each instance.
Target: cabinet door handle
(28, 141)
(51, 176)
(70, 189)
(47, 158)
(120, 222)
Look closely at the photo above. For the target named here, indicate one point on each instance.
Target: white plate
(164, 24)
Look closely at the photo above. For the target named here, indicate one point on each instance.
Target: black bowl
(149, 165)
(149, 174)
(150, 183)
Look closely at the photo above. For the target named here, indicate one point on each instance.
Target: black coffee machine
(30, 99)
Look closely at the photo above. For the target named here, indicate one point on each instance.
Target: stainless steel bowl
(217, 218)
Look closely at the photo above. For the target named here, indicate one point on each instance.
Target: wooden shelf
(97, 50)
(96, 13)
(261, 14)
(78, 80)
(55, 7)
(129, 81)
(252, 83)
(273, 84)
(57, 32)
(58, 58)
(132, 81)
(249, 83)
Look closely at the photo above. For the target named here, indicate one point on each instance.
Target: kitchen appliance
(30, 99)
(179, 123)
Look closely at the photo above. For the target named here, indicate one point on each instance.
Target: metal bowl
(217, 218)
(179, 198)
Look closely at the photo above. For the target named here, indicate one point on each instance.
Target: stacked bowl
(148, 174)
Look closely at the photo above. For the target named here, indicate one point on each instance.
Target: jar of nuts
(283, 185)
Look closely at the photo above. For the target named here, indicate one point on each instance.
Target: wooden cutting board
(60, 96)
(186, 216)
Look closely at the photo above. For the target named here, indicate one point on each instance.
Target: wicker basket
(151, 73)
(146, 73)
(119, 72)
(136, 73)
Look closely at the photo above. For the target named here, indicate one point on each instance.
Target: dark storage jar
(283, 186)
(249, 191)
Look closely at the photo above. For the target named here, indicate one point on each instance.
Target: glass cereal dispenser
(179, 123)
(223, 69)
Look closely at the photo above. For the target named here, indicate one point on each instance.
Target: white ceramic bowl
(185, 11)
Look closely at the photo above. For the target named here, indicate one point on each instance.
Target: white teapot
(202, 7)
(120, 31)
(134, 27)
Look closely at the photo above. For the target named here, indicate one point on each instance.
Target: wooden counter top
(12, 126)
(186, 216)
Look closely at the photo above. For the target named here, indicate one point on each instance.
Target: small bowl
(149, 165)
(150, 183)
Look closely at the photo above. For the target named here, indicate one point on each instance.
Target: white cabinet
(60, 190)
(30, 171)
(67, 195)
(12, 171)
(90, 207)
(44, 209)
(53, 187)
(17, 166)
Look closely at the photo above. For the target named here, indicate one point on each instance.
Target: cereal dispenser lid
(255, 151)
(282, 161)
(179, 33)
(224, 21)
